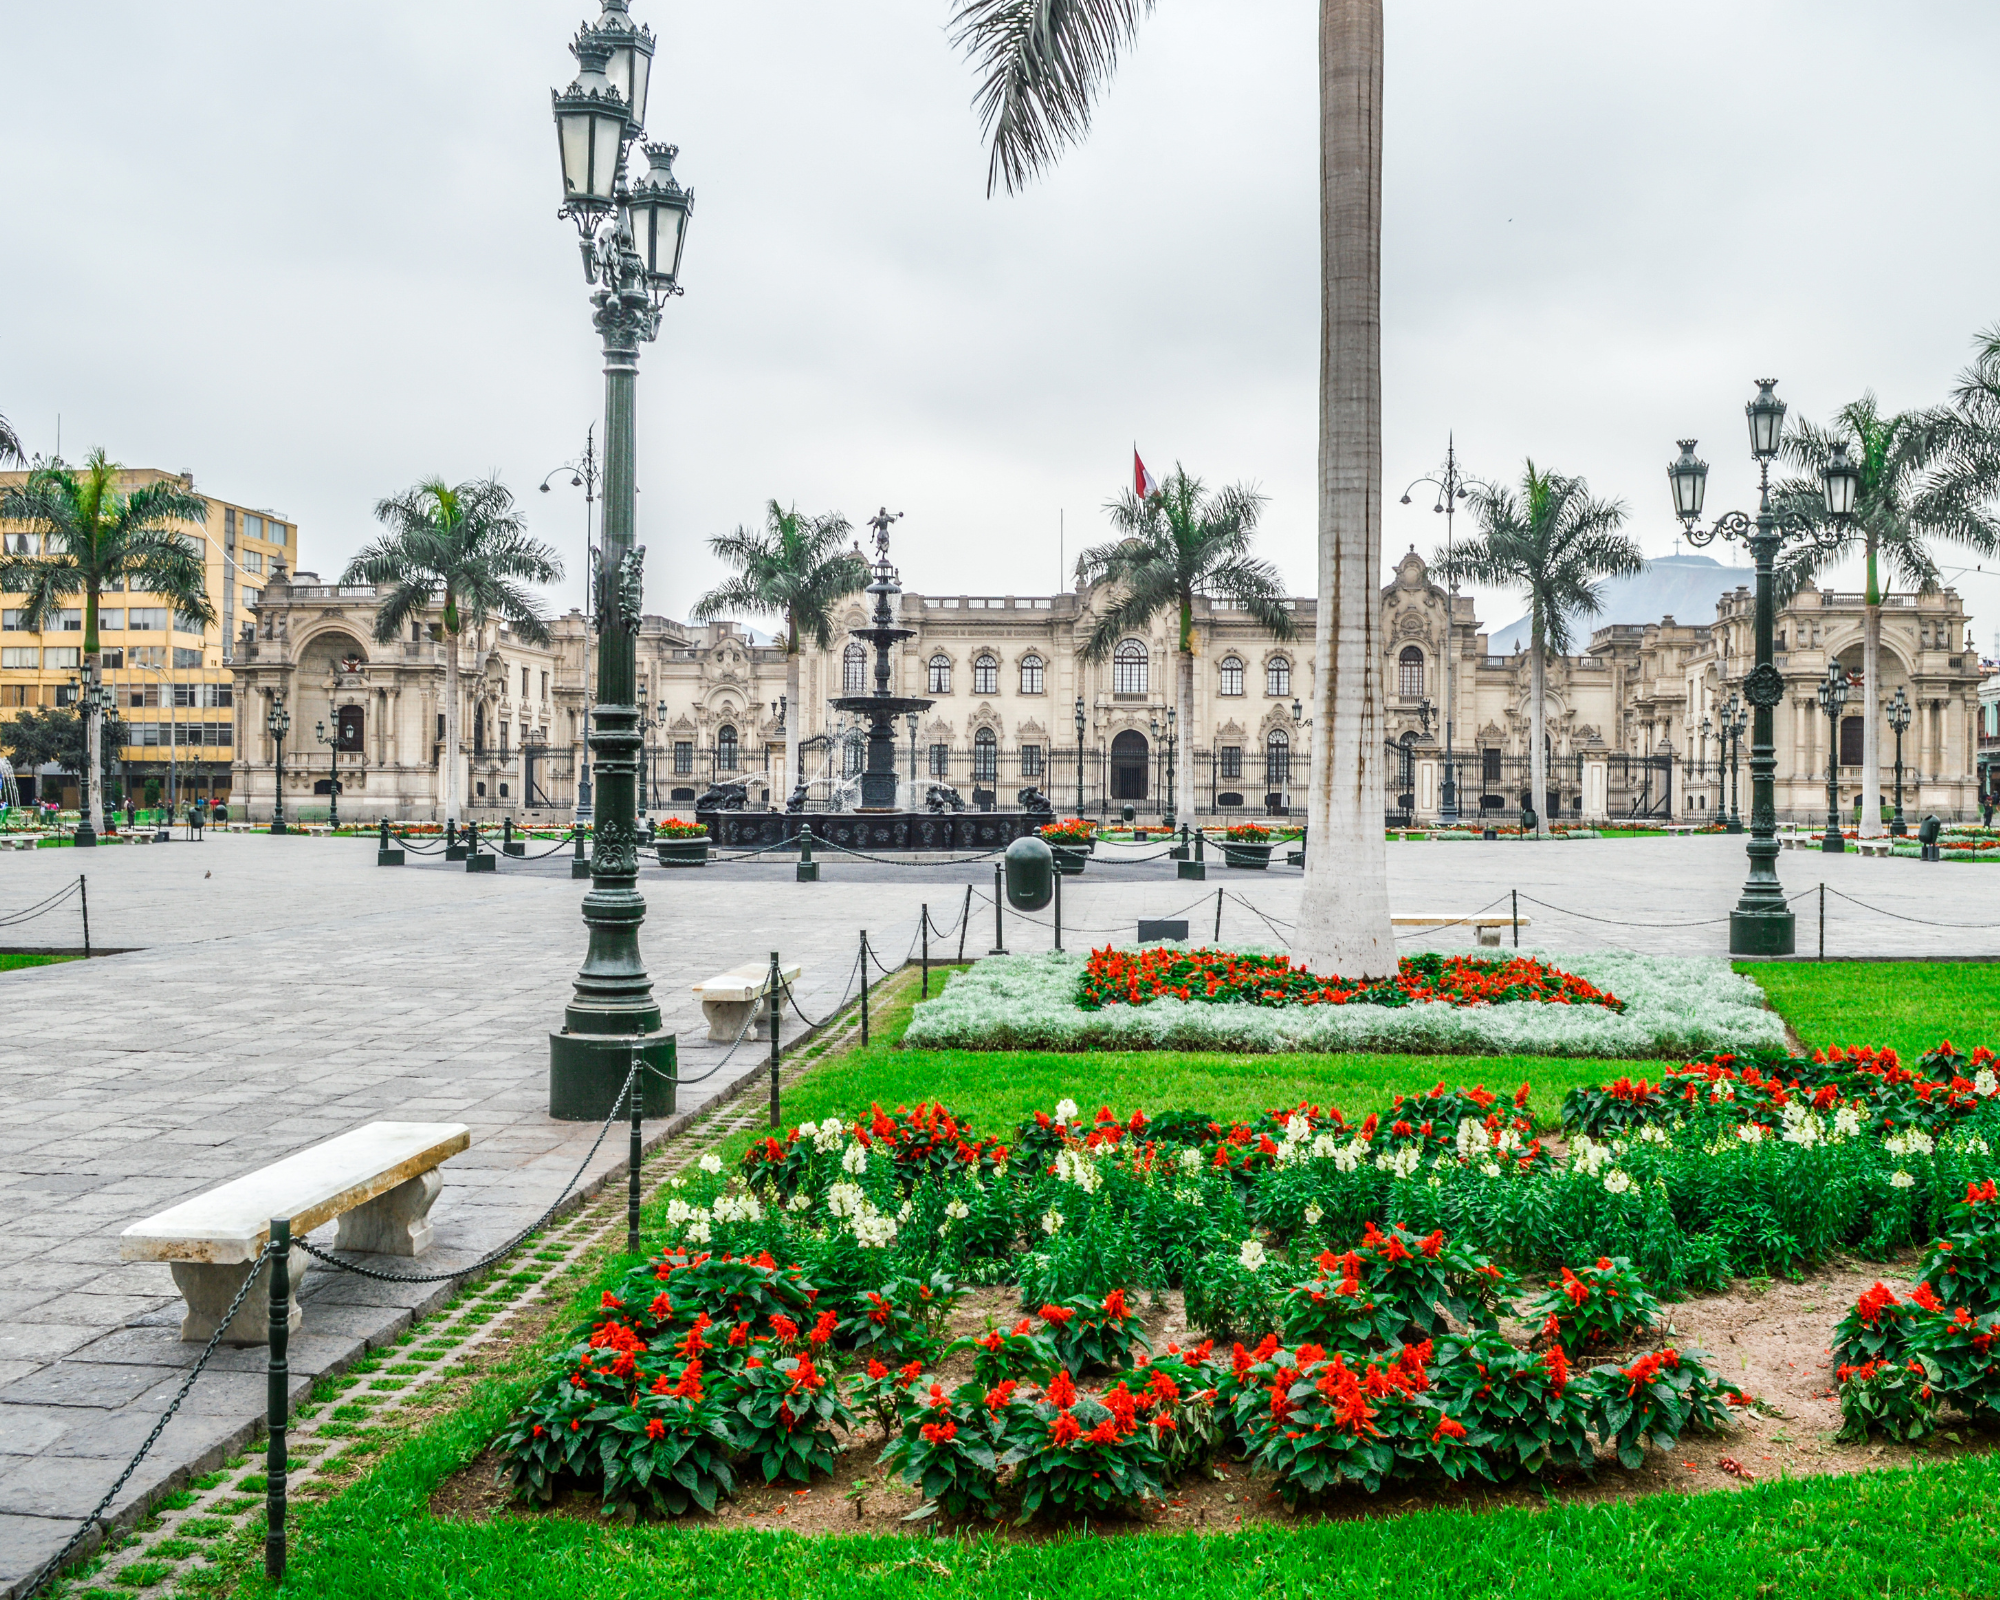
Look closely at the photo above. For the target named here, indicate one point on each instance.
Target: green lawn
(1911, 1005)
(9, 962)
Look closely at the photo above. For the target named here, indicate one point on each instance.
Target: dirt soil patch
(1771, 1340)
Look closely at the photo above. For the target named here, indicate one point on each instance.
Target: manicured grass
(1911, 1005)
(9, 962)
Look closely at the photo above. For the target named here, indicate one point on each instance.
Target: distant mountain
(1682, 587)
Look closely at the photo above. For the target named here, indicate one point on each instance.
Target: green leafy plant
(1892, 1398)
(948, 1448)
(785, 1416)
(1663, 1395)
(1076, 1452)
(1089, 1335)
(1599, 1307)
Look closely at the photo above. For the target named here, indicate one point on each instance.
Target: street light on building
(631, 236)
(1833, 700)
(278, 721)
(333, 771)
(1899, 720)
(1762, 922)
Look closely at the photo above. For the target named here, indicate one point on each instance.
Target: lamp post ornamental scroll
(1762, 922)
(631, 233)
(1833, 691)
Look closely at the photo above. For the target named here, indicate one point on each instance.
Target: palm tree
(1969, 480)
(1555, 541)
(1043, 63)
(792, 568)
(10, 443)
(467, 547)
(92, 538)
(1179, 542)
(1906, 497)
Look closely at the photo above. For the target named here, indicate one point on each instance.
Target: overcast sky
(310, 253)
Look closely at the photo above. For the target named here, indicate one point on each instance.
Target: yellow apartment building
(173, 679)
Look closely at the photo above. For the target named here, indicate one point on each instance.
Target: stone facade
(1007, 680)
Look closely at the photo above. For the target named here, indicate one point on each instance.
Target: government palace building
(1633, 721)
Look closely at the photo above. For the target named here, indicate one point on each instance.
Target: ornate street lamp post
(1762, 923)
(1079, 755)
(278, 721)
(1899, 719)
(583, 474)
(632, 232)
(333, 771)
(1833, 701)
(1450, 485)
(1735, 718)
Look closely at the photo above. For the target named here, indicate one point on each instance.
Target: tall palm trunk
(794, 715)
(1344, 909)
(1871, 702)
(93, 743)
(1184, 798)
(1538, 760)
(451, 735)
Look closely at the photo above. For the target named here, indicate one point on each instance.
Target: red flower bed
(1227, 977)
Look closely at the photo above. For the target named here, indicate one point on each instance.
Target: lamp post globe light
(1762, 923)
(1450, 485)
(1079, 755)
(583, 474)
(1735, 719)
(332, 743)
(631, 235)
(1833, 700)
(1899, 720)
(278, 722)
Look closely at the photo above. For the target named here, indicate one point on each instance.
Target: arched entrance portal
(1130, 761)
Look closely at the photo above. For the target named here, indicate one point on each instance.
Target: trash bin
(1031, 874)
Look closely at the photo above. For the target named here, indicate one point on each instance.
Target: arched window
(1232, 675)
(1128, 668)
(985, 676)
(985, 757)
(940, 674)
(1410, 673)
(853, 754)
(1031, 674)
(1277, 759)
(1278, 676)
(725, 748)
(854, 670)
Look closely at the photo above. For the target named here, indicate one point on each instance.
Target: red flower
(1447, 1428)
(1001, 1394)
(1059, 1315)
(655, 1427)
(939, 1432)
(1062, 1390)
(784, 1327)
(1065, 1429)
(1556, 1364)
(823, 1329)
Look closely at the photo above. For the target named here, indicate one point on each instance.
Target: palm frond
(1042, 64)
(10, 443)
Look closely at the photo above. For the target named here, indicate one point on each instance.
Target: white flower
(1751, 1132)
(1976, 1146)
(1901, 1180)
(1349, 1155)
(679, 1183)
(1846, 1123)
(903, 1212)
(1324, 1145)
(1589, 1156)
(1617, 1181)
(799, 1201)
(873, 1231)
(678, 1211)
(1490, 1168)
(829, 1137)
(1911, 1141)
(808, 1130)
(1313, 1214)
(957, 1210)
(1190, 1160)
(1051, 1220)
(1075, 1166)
(856, 1159)
(710, 1162)
(1509, 1139)
(845, 1199)
(1471, 1137)
(1984, 1083)
(1251, 1256)
(1653, 1133)
(1065, 1110)
(1402, 1163)
(697, 1233)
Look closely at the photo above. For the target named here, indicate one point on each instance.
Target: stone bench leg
(1489, 936)
(208, 1288)
(396, 1223)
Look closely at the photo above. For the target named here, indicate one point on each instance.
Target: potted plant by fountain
(1070, 842)
(1247, 845)
(682, 844)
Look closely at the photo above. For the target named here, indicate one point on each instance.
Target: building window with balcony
(940, 761)
(1231, 676)
(1410, 673)
(1031, 674)
(1232, 761)
(1031, 761)
(725, 748)
(854, 670)
(683, 755)
(1278, 676)
(940, 674)
(1277, 759)
(985, 676)
(1128, 668)
(985, 757)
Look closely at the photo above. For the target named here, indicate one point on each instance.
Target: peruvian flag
(1142, 480)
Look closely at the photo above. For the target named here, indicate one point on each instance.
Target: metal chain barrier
(507, 1249)
(543, 855)
(792, 999)
(742, 1033)
(54, 1564)
(1927, 922)
(43, 907)
(885, 861)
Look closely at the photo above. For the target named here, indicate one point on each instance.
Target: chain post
(83, 888)
(925, 927)
(772, 999)
(864, 986)
(277, 1399)
(635, 1086)
(1822, 919)
(1514, 895)
(1059, 879)
(999, 903)
(964, 922)
(1218, 917)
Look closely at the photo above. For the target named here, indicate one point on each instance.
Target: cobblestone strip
(199, 1540)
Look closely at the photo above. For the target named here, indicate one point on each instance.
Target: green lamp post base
(586, 1071)
(86, 836)
(1762, 933)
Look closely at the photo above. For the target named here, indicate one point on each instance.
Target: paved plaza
(276, 992)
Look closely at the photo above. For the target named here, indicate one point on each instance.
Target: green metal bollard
(386, 854)
(511, 845)
(453, 849)
(477, 860)
(578, 866)
(1196, 869)
(277, 1398)
(808, 868)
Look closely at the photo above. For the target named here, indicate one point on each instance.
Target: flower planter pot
(1071, 859)
(683, 852)
(1251, 857)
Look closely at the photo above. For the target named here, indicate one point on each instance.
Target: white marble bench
(379, 1180)
(1486, 925)
(730, 998)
